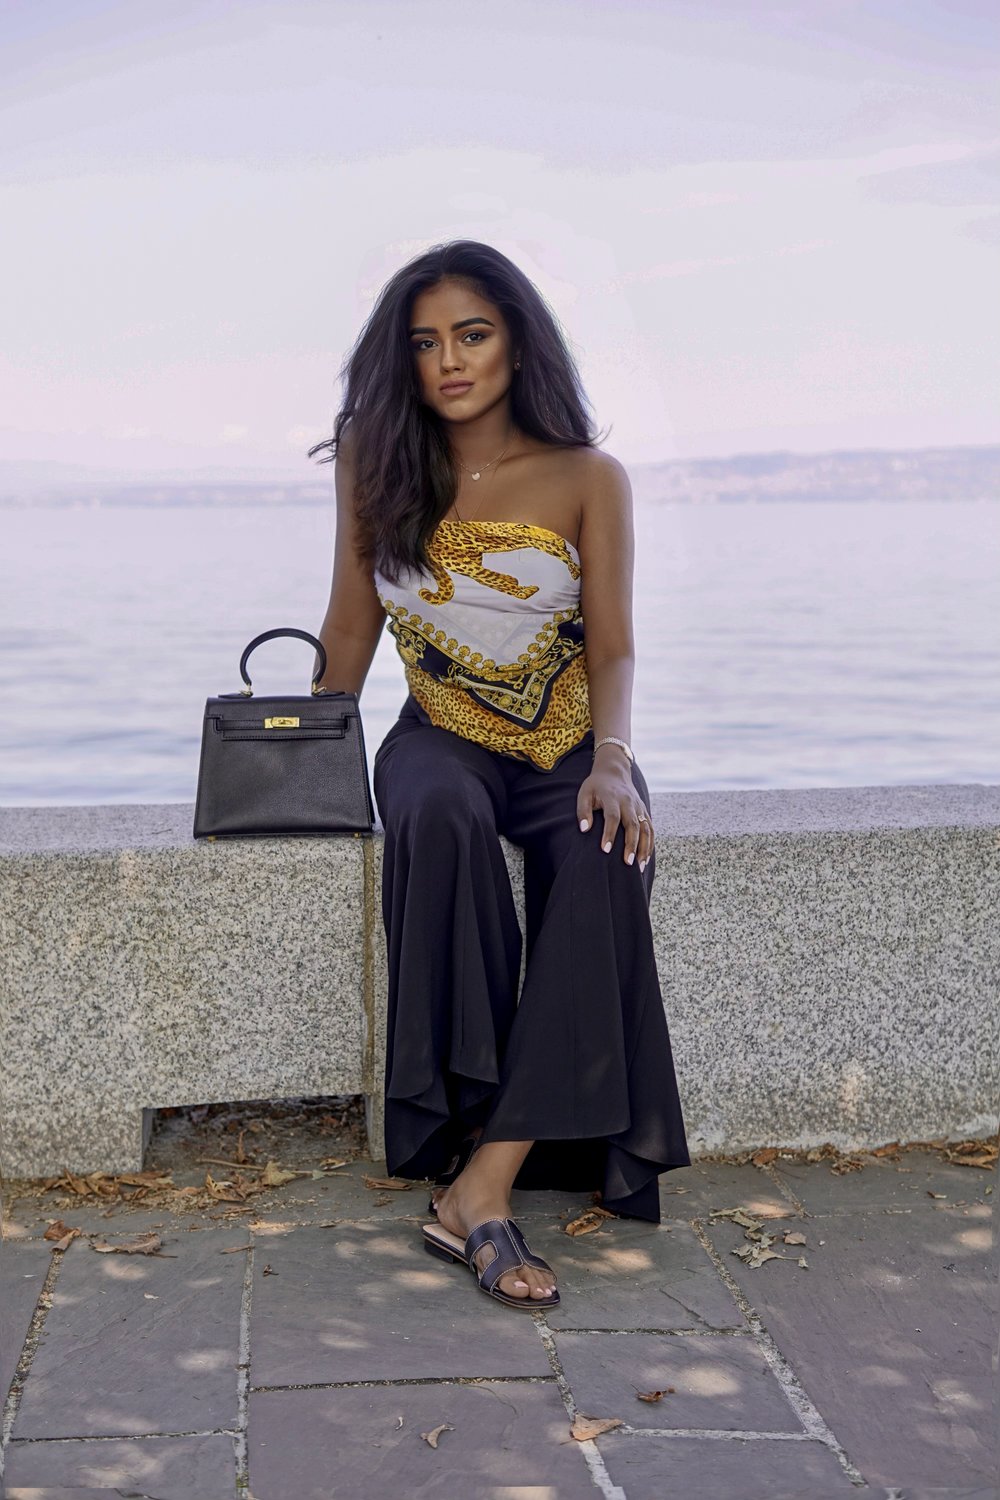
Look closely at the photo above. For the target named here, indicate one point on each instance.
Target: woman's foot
(457, 1164)
(482, 1192)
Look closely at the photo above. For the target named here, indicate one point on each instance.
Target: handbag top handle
(269, 635)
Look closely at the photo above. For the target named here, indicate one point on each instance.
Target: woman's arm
(354, 616)
(607, 560)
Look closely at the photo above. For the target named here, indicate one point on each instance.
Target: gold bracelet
(612, 739)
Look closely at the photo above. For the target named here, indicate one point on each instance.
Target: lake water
(777, 645)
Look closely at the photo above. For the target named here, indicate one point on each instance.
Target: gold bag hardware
(281, 723)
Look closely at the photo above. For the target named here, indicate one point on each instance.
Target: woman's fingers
(645, 842)
(638, 843)
(638, 838)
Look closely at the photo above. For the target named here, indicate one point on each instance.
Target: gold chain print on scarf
(527, 695)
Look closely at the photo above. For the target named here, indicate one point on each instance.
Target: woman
(476, 512)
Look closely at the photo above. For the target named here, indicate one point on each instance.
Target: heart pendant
(475, 476)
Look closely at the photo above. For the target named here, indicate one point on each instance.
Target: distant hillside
(869, 474)
(971, 473)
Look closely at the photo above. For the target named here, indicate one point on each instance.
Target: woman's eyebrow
(455, 326)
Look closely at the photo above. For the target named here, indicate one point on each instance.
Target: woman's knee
(428, 800)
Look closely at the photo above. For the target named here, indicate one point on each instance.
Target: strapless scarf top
(492, 640)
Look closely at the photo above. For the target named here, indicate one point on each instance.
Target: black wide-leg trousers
(580, 1062)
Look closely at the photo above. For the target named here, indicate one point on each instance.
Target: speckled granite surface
(828, 961)
(171, 973)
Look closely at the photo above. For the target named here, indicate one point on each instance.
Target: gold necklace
(476, 475)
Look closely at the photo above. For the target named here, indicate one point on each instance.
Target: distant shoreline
(942, 474)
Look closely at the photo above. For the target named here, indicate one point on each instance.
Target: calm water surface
(777, 645)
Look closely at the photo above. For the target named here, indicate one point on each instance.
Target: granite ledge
(114, 827)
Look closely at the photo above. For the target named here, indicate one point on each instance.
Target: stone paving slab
(24, 1266)
(657, 1468)
(634, 1275)
(694, 1191)
(89, 1217)
(175, 1468)
(366, 1302)
(365, 1444)
(980, 1492)
(416, 1327)
(721, 1381)
(891, 1318)
(136, 1344)
(883, 1183)
(344, 1196)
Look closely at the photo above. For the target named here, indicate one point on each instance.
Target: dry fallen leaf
(435, 1432)
(794, 1238)
(100, 1184)
(738, 1216)
(235, 1249)
(654, 1395)
(275, 1176)
(57, 1230)
(761, 1158)
(972, 1153)
(332, 1161)
(395, 1184)
(224, 1192)
(65, 1240)
(588, 1222)
(585, 1428)
(756, 1254)
(151, 1179)
(139, 1244)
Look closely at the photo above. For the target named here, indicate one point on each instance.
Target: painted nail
(630, 858)
(583, 825)
(607, 848)
(643, 863)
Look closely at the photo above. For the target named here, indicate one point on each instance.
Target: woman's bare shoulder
(594, 466)
(347, 445)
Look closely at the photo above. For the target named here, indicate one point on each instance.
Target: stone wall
(828, 961)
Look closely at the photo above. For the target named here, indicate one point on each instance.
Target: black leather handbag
(273, 767)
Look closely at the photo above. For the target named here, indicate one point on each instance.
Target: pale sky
(761, 225)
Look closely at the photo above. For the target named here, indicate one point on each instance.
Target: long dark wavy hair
(406, 477)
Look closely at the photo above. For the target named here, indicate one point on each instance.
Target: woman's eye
(475, 333)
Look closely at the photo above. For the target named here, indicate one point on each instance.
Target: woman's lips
(456, 389)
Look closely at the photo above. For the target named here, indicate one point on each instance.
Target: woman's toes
(541, 1285)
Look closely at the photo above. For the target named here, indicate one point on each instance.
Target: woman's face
(460, 339)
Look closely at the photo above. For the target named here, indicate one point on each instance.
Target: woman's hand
(612, 790)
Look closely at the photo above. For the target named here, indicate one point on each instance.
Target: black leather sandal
(512, 1252)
